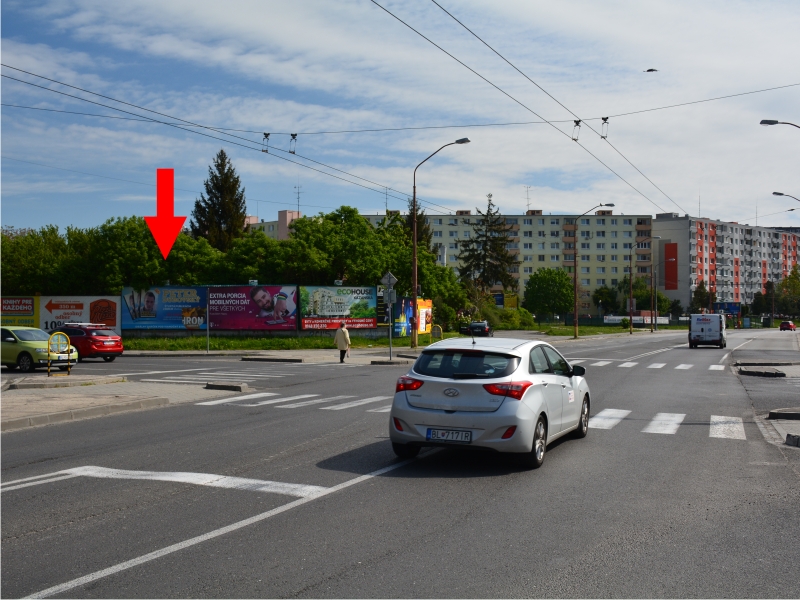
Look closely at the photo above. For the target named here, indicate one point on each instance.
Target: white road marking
(722, 360)
(628, 365)
(666, 423)
(233, 375)
(236, 399)
(145, 558)
(740, 345)
(155, 372)
(195, 381)
(355, 403)
(607, 418)
(277, 400)
(684, 366)
(649, 353)
(716, 367)
(656, 365)
(602, 363)
(207, 479)
(382, 409)
(8, 487)
(575, 362)
(317, 401)
(726, 427)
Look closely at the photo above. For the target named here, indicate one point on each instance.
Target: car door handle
(544, 383)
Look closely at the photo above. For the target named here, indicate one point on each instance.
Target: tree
(605, 297)
(485, 258)
(675, 309)
(549, 291)
(424, 233)
(701, 298)
(219, 215)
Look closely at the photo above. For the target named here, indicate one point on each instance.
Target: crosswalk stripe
(576, 362)
(628, 365)
(684, 366)
(608, 418)
(382, 409)
(231, 375)
(657, 365)
(666, 423)
(227, 400)
(355, 403)
(716, 368)
(193, 381)
(726, 427)
(317, 401)
(277, 400)
(602, 363)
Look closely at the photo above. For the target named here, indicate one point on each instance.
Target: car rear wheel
(80, 358)
(25, 362)
(535, 458)
(583, 423)
(405, 450)
(109, 358)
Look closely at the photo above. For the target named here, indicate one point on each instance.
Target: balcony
(569, 227)
(647, 227)
(569, 238)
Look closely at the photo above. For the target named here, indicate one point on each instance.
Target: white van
(707, 330)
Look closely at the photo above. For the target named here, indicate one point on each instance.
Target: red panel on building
(670, 267)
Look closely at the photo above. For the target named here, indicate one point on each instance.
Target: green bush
(625, 323)
(526, 319)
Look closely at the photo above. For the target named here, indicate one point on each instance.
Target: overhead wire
(513, 66)
(254, 145)
(502, 91)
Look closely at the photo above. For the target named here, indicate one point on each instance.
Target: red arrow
(51, 306)
(165, 226)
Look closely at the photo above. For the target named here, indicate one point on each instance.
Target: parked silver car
(505, 394)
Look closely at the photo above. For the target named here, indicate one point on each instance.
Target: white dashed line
(666, 423)
(726, 427)
(657, 365)
(716, 367)
(602, 363)
(355, 403)
(684, 366)
(317, 401)
(607, 418)
(226, 400)
(628, 365)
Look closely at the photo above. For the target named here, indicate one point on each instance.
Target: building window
(613, 245)
(585, 245)
(542, 234)
(555, 258)
(541, 258)
(437, 221)
(613, 221)
(613, 269)
(601, 258)
(554, 246)
(585, 221)
(527, 246)
(540, 221)
(527, 221)
(540, 246)
(453, 246)
(453, 258)
(527, 258)
(585, 270)
(554, 233)
(437, 233)
(585, 257)
(554, 221)
(601, 282)
(627, 221)
(527, 234)
(601, 221)
(569, 257)
(527, 269)
(614, 258)
(601, 246)
(511, 221)
(601, 270)
(614, 233)
(466, 234)
(601, 234)
(614, 282)
(453, 233)
(586, 234)
(627, 234)
(584, 282)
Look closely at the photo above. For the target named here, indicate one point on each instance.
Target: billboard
(166, 307)
(402, 316)
(425, 312)
(733, 308)
(258, 307)
(54, 311)
(22, 311)
(325, 307)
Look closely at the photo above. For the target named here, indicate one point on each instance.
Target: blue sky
(306, 67)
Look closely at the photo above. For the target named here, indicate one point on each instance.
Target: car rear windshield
(102, 332)
(465, 364)
(32, 335)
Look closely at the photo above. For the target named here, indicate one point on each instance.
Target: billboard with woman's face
(260, 307)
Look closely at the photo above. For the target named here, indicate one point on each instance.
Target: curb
(793, 440)
(390, 362)
(38, 385)
(762, 372)
(272, 359)
(790, 414)
(230, 387)
(414, 356)
(187, 353)
(81, 413)
(744, 363)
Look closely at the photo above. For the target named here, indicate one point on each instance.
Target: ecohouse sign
(324, 307)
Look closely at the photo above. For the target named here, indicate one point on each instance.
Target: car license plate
(109, 343)
(62, 357)
(449, 435)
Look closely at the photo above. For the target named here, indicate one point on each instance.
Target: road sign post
(389, 298)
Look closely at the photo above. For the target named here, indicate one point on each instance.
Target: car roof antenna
(472, 333)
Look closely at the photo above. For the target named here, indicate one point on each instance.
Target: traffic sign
(389, 279)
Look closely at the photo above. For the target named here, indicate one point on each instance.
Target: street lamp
(787, 195)
(772, 122)
(630, 280)
(414, 315)
(575, 273)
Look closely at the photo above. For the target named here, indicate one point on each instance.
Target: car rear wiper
(469, 375)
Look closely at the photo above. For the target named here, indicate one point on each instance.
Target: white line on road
(317, 401)
(657, 365)
(355, 403)
(194, 381)
(157, 372)
(684, 367)
(740, 345)
(229, 374)
(666, 423)
(236, 399)
(382, 409)
(722, 360)
(607, 418)
(8, 487)
(726, 427)
(601, 363)
(134, 562)
(716, 367)
(628, 365)
(575, 362)
(649, 353)
(300, 397)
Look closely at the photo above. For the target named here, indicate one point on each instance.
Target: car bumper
(58, 361)
(487, 427)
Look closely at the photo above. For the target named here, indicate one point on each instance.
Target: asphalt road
(623, 512)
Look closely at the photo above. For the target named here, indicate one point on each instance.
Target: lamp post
(772, 122)
(630, 281)
(787, 195)
(575, 273)
(414, 285)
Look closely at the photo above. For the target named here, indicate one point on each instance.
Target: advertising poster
(258, 307)
(324, 307)
(166, 307)
(425, 312)
(54, 311)
(22, 311)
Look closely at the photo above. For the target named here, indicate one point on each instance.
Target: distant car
(93, 340)
(26, 348)
(788, 326)
(507, 395)
(481, 328)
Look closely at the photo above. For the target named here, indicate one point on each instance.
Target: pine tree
(424, 233)
(485, 259)
(219, 215)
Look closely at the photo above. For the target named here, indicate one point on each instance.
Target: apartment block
(280, 229)
(732, 259)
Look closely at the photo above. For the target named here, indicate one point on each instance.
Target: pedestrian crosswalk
(630, 365)
(276, 400)
(253, 375)
(719, 426)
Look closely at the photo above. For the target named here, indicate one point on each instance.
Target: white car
(505, 394)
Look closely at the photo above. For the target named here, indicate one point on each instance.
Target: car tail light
(397, 424)
(515, 389)
(509, 432)
(407, 383)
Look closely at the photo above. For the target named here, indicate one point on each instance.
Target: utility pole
(297, 188)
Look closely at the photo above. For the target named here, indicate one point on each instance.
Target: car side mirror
(9, 339)
(578, 370)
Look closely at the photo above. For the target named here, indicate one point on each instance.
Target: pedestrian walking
(342, 341)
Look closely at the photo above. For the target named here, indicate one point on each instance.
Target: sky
(314, 66)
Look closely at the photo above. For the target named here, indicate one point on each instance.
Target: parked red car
(93, 340)
(788, 326)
